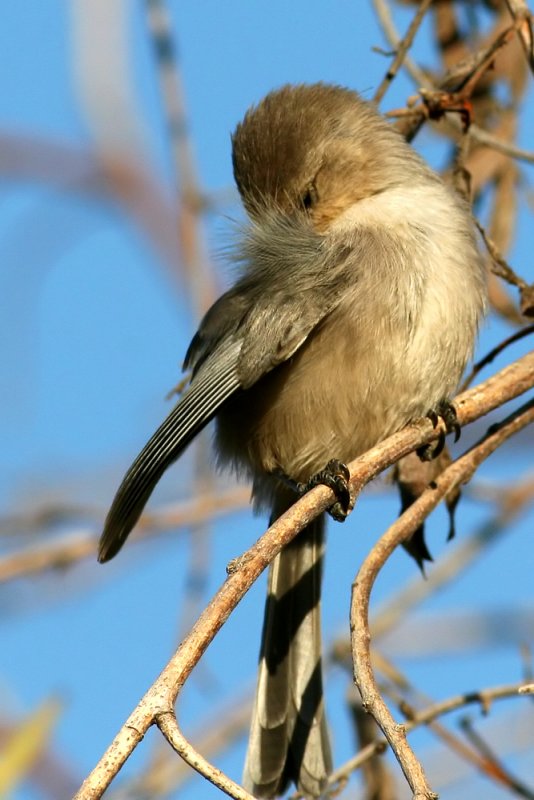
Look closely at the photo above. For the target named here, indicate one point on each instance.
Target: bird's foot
(336, 476)
(447, 412)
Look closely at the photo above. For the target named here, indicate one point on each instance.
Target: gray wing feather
(212, 385)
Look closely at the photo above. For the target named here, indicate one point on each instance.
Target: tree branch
(484, 697)
(459, 472)
(511, 382)
(71, 549)
(167, 724)
(402, 50)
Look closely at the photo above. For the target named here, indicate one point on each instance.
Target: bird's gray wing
(292, 279)
(271, 327)
(212, 385)
(244, 335)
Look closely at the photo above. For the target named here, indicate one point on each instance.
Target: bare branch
(160, 698)
(501, 266)
(495, 351)
(459, 472)
(513, 501)
(167, 724)
(216, 733)
(484, 697)
(199, 274)
(72, 549)
(492, 764)
(390, 32)
(402, 50)
(507, 148)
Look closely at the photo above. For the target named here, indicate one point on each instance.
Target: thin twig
(492, 764)
(475, 132)
(383, 14)
(72, 549)
(200, 276)
(495, 351)
(507, 148)
(484, 697)
(422, 80)
(402, 50)
(451, 740)
(485, 60)
(500, 265)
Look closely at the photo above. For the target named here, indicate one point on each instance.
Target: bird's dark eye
(309, 198)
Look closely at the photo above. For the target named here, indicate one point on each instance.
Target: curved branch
(459, 472)
(167, 724)
(522, 16)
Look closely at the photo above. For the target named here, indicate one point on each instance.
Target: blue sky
(94, 325)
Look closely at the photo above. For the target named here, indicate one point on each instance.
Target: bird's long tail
(289, 738)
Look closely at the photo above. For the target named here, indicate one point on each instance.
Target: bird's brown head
(317, 149)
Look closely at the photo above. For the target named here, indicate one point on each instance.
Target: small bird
(355, 311)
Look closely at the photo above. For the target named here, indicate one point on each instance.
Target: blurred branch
(467, 751)
(71, 549)
(476, 133)
(507, 148)
(453, 741)
(484, 697)
(492, 764)
(73, 170)
(199, 275)
(159, 700)
(472, 70)
(402, 50)
(523, 18)
(383, 14)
